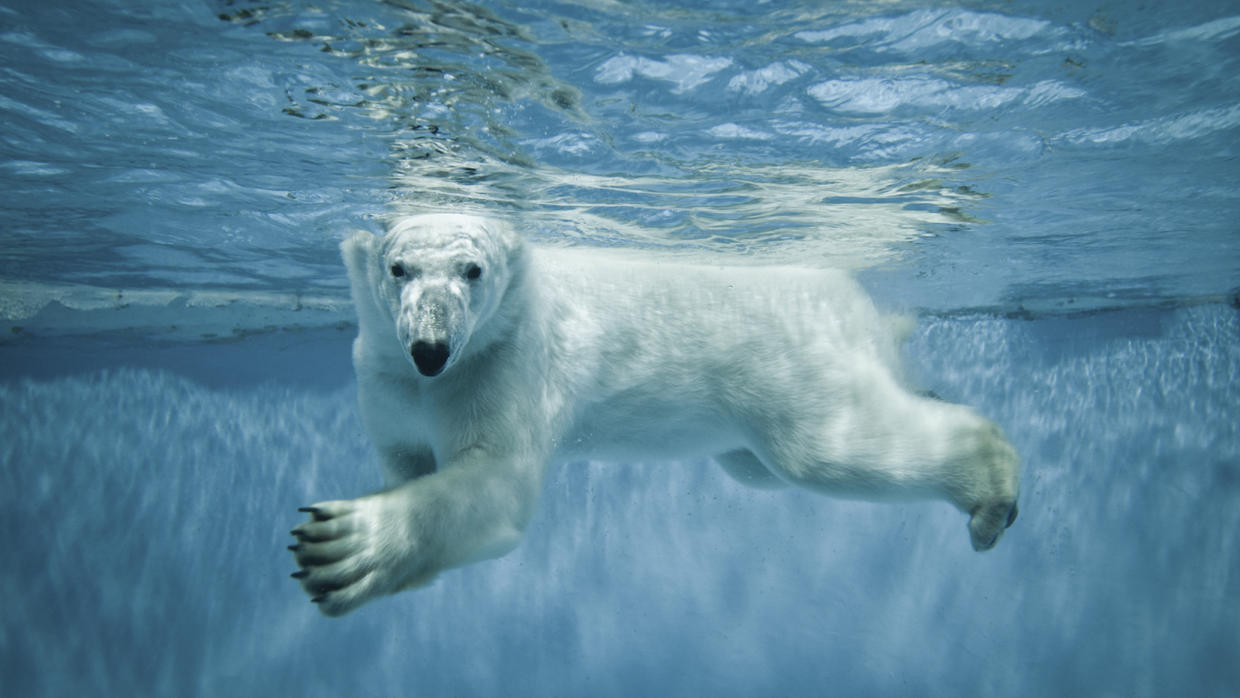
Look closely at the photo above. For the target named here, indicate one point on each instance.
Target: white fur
(784, 375)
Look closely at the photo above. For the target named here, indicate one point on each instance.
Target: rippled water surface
(1052, 187)
(975, 155)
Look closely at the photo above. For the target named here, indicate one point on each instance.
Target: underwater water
(1052, 190)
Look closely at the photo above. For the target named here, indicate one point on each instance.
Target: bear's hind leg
(987, 485)
(877, 441)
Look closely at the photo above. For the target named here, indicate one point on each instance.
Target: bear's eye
(398, 271)
(473, 271)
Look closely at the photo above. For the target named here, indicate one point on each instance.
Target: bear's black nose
(430, 358)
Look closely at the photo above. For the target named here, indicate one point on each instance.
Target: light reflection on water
(988, 156)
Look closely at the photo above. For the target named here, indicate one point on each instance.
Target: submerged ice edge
(30, 310)
(176, 314)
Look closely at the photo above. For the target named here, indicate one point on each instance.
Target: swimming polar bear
(480, 360)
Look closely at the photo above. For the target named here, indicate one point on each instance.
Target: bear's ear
(358, 251)
(361, 258)
(508, 239)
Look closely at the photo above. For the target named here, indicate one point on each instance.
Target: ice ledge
(31, 309)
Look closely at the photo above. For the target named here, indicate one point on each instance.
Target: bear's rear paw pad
(988, 521)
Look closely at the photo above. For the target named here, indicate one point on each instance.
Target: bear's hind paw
(988, 522)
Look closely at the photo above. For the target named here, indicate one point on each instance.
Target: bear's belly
(627, 431)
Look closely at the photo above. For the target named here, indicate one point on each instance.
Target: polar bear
(481, 359)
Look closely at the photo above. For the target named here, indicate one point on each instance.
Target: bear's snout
(430, 357)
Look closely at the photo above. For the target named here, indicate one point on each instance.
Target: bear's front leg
(352, 551)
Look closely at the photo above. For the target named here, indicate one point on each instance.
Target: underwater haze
(1051, 189)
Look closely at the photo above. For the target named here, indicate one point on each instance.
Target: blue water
(1052, 189)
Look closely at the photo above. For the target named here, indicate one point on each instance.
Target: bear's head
(443, 277)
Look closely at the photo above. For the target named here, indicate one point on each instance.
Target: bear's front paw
(353, 551)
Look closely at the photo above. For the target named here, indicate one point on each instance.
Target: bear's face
(442, 277)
